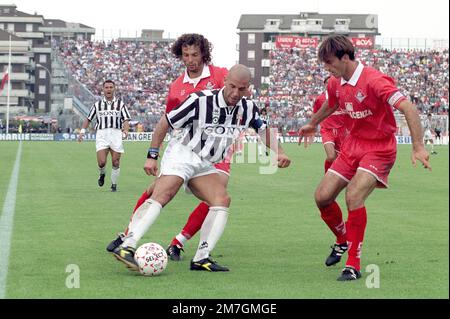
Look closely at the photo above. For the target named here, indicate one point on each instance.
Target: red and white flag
(4, 80)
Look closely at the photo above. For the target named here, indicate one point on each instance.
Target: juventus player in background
(112, 127)
(370, 149)
(210, 122)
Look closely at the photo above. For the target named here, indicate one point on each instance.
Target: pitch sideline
(6, 222)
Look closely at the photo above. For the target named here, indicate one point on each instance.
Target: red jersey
(335, 120)
(368, 98)
(212, 78)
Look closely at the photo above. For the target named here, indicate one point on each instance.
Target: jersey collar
(355, 77)
(221, 100)
(205, 74)
(113, 100)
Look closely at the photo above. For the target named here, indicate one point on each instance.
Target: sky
(218, 20)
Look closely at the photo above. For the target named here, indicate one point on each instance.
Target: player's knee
(322, 198)
(164, 198)
(102, 163)
(353, 198)
(221, 200)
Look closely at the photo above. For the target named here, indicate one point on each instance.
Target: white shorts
(180, 160)
(427, 135)
(109, 138)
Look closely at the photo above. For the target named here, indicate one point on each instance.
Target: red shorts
(373, 156)
(335, 136)
(224, 167)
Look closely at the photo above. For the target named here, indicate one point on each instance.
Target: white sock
(102, 170)
(115, 172)
(259, 149)
(181, 238)
(211, 231)
(143, 218)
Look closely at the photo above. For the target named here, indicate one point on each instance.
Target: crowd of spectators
(144, 70)
(296, 78)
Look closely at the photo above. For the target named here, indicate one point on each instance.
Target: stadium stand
(143, 72)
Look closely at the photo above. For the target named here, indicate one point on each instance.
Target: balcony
(18, 76)
(20, 93)
(30, 35)
(15, 59)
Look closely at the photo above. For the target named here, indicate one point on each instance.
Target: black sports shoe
(434, 153)
(336, 253)
(114, 188)
(116, 242)
(101, 180)
(207, 264)
(174, 252)
(126, 255)
(349, 273)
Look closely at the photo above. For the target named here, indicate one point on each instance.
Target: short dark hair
(193, 39)
(109, 81)
(336, 45)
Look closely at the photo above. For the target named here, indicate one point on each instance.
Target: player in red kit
(195, 52)
(333, 129)
(369, 151)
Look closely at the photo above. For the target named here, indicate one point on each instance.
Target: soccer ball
(151, 259)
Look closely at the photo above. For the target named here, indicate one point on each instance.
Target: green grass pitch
(275, 242)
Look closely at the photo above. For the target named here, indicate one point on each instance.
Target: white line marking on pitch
(6, 222)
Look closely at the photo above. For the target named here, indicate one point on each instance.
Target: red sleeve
(319, 102)
(384, 89)
(171, 102)
(331, 90)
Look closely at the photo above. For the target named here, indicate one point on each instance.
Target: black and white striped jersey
(109, 114)
(210, 126)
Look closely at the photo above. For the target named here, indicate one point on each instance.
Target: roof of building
(13, 12)
(357, 21)
(57, 23)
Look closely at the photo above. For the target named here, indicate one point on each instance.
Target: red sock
(194, 222)
(140, 201)
(327, 165)
(356, 225)
(332, 216)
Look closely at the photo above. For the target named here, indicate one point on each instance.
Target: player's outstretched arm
(83, 130)
(308, 131)
(269, 138)
(419, 153)
(126, 129)
(151, 164)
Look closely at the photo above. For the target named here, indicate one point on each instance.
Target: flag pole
(9, 86)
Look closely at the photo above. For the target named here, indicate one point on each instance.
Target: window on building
(251, 38)
(2, 26)
(29, 27)
(252, 72)
(251, 55)
(43, 58)
(42, 89)
(42, 74)
(11, 27)
(42, 105)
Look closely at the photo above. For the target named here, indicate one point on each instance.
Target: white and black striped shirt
(109, 114)
(210, 126)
